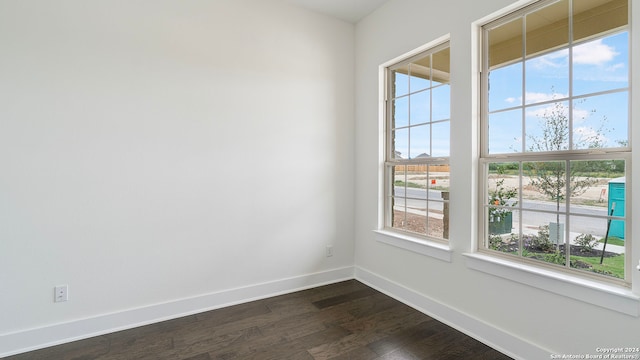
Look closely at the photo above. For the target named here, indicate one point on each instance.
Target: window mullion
(520, 228)
(523, 92)
(567, 218)
(571, 100)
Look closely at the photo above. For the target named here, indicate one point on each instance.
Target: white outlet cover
(61, 293)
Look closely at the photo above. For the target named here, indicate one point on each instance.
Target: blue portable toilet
(616, 195)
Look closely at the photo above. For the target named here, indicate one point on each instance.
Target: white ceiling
(348, 10)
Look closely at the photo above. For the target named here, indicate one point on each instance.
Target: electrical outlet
(61, 293)
(329, 250)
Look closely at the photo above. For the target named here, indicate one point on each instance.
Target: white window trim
(613, 297)
(429, 248)
(484, 157)
(593, 292)
(419, 244)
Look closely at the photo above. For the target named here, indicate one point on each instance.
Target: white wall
(548, 322)
(153, 151)
(161, 157)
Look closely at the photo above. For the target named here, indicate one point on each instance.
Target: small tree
(550, 178)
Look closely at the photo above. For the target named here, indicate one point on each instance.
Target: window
(417, 128)
(555, 150)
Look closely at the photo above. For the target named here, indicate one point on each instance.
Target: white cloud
(585, 136)
(557, 59)
(593, 53)
(534, 97)
(615, 67)
(580, 115)
(539, 112)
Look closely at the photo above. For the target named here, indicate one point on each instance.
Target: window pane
(541, 237)
(400, 81)
(397, 197)
(436, 220)
(505, 43)
(547, 77)
(595, 17)
(588, 247)
(441, 139)
(438, 206)
(438, 182)
(595, 184)
(598, 190)
(420, 141)
(409, 198)
(601, 121)
(416, 183)
(418, 83)
(505, 87)
(399, 178)
(409, 182)
(420, 107)
(548, 27)
(503, 182)
(400, 143)
(596, 227)
(547, 127)
(502, 197)
(420, 74)
(544, 236)
(544, 185)
(410, 221)
(441, 103)
(503, 231)
(441, 67)
(400, 112)
(505, 132)
(601, 64)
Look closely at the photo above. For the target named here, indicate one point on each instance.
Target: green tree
(556, 179)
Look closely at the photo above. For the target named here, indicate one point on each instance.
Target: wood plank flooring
(347, 320)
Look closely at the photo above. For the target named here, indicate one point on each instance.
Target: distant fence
(421, 168)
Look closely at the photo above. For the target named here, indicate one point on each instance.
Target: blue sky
(429, 106)
(598, 65)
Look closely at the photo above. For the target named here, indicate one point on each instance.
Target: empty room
(317, 179)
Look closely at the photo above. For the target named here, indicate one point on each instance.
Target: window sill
(611, 297)
(424, 247)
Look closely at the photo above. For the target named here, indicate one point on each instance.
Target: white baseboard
(498, 339)
(38, 338)
(33, 339)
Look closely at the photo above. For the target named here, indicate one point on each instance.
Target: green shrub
(495, 242)
(555, 258)
(542, 242)
(586, 242)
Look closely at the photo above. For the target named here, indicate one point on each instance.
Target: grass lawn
(613, 265)
(408, 184)
(613, 241)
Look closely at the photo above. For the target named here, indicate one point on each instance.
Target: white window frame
(385, 233)
(615, 295)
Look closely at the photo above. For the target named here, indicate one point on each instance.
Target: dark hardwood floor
(347, 320)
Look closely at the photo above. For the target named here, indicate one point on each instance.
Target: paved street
(532, 219)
